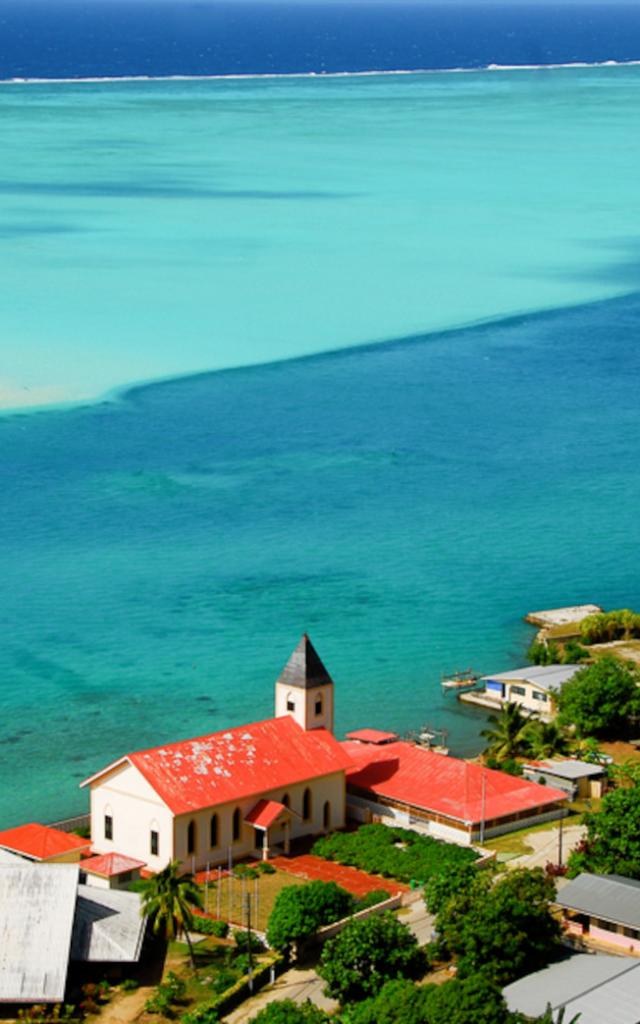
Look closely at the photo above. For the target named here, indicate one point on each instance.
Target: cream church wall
(136, 810)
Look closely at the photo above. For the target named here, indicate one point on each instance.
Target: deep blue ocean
(86, 38)
(407, 498)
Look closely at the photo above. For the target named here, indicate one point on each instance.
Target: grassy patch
(228, 898)
(515, 843)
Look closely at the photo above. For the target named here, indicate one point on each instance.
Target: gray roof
(547, 677)
(108, 926)
(572, 770)
(36, 919)
(304, 668)
(602, 989)
(610, 897)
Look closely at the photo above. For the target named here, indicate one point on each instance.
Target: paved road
(545, 847)
(417, 918)
(297, 983)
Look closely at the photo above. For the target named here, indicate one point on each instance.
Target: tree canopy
(299, 911)
(473, 1000)
(367, 953)
(503, 930)
(285, 1011)
(507, 732)
(612, 844)
(600, 697)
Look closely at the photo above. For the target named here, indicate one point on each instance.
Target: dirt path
(125, 1007)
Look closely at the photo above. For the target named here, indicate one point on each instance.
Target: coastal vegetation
(601, 698)
(514, 733)
(606, 627)
(612, 843)
(392, 852)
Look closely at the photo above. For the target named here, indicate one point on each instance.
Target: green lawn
(515, 843)
(233, 893)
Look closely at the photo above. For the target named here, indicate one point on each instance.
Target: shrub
(266, 868)
(392, 852)
(300, 910)
(372, 898)
(367, 953)
(244, 871)
(224, 979)
(599, 698)
(285, 1011)
(245, 940)
(130, 985)
(207, 926)
(201, 1015)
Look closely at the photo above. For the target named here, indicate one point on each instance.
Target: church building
(240, 792)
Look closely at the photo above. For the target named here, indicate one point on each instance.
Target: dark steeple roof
(304, 668)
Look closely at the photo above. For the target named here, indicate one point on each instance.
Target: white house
(533, 687)
(234, 793)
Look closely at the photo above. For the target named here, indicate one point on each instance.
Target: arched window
(318, 704)
(326, 815)
(291, 704)
(213, 831)
(154, 838)
(236, 825)
(191, 837)
(306, 805)
(286, 800)
(108, 822)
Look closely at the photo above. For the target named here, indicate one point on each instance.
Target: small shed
(603, 909)
(580, 779)
(111, 870)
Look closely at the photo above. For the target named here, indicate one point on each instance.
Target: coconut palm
(507, 734)
(546, 739)
(167, 900)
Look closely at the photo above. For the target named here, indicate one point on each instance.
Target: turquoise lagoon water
(405, 502)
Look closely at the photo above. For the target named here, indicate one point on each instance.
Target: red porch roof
(265, 813)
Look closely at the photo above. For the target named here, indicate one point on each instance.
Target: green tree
(475, 999)
(507, 734)
(600, 697)
(285, 1011)
(366, 953)
(168, 899)
(544, 654)
(447, 883)
(299, 911)
(397, 1002)
(546, 739)
(612, 844)
(503, 930)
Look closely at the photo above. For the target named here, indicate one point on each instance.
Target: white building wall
(305, 703)
(135, 809)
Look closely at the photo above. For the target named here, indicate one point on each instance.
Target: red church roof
(41, 842)
(441, 784)
(245, 761)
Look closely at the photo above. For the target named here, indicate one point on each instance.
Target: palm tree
(167, 899)
(508, 733)
(545, 739)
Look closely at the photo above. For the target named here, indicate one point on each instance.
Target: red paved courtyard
(358, 883)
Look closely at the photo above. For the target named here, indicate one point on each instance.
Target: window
(154, 844)
(108, 826)
(319, 706)
(213, 831)
(125, 877)
(326, 815)
(236, 825)
(631, 933)
(191, 837)
(537, 695)
(290, 704)
(286, 801)
(519, 690)
(605, 925)
(306, 805)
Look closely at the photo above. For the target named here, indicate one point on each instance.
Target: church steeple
(304, 688)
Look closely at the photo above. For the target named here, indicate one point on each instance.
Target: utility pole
(560, 843)
(483, 804)
(249, 950)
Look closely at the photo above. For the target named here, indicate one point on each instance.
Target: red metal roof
(231, 765)
(445, 785)
(110, 864)
(265, 813)
(41, 842)
(372, 736)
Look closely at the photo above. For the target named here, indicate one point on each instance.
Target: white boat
(464, 680)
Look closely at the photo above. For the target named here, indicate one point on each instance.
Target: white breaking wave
(319, 74)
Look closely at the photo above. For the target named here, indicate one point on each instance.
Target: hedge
(209, 1012)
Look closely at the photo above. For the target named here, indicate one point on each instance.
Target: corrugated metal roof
(41, 842)
(37, 906)
(547, 677)
(610, 897)
(304, 668)
(245, 761)
(446, 785)
(265, 813)
(602, 989)
(108, 865)
(571, 770)
(109, 927)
